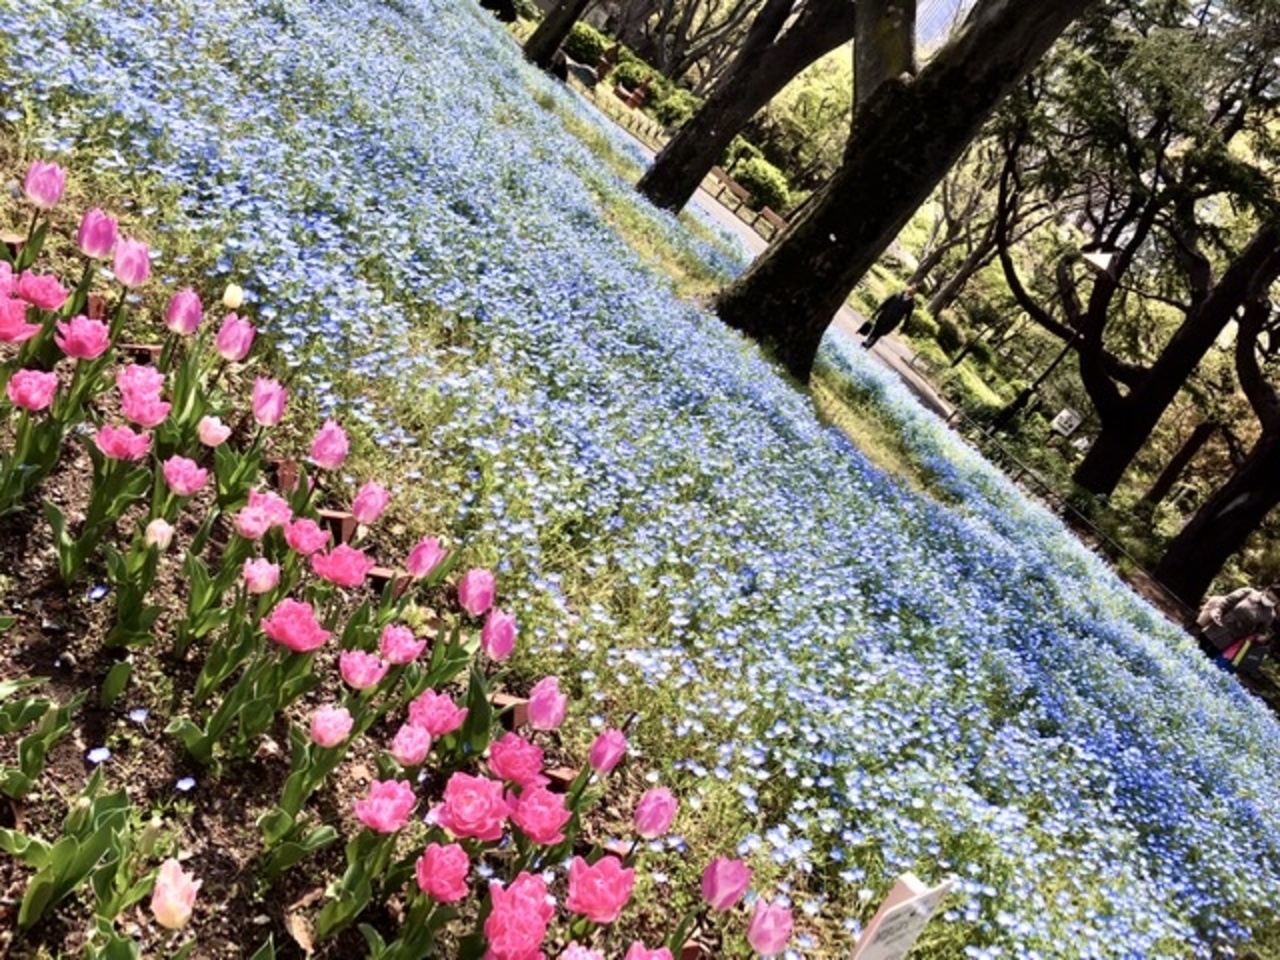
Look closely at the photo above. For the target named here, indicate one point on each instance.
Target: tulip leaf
(267, 951)
(115, 683)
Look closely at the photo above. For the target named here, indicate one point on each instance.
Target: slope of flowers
(871, 680)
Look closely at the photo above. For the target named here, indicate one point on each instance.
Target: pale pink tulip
(330, 726)
(132, 262)
(330, 446)
(369, 502)
(184, 312)
(82, 339)
(769, 929)
(174, 895)
(96, 237)
(261, 575)
(269, 399)
(607, 751)
(44, 184)
(235, 338)
(547, 705)
(32, 389)
(212, 431)
(184, 476)
(654, 813)
(476, 591)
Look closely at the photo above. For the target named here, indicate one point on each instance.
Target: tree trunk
(905, 138)
(1223, 524)
(886, 45)
(1178, 462)
(541, 47)
(946, 294)
(1125, 429)
(765, 64)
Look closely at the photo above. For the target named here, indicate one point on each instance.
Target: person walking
(890, 315)
(1226, 622)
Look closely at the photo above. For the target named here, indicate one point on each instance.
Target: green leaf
(37, 899)
(377, 946)
(265, 952)
(31, 249)
(6, 622)
(478, 726)
(32, 851)
(116, 681)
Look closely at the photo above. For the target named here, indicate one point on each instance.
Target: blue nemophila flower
(185, 784)
(98, 755)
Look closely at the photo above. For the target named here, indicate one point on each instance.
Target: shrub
(949, 336)
(982, 353)
(586, 44)
(739, 151)
(768, 184)
(632, 73)
(676, 107)
(921, 325)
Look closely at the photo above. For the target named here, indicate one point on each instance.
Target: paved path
(890, 351)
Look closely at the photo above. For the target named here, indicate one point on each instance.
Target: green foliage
(586, 44)
(739, 151)
(631, 73)
(768, 184)
(676, 107)
(921, 326)
(949, 336)
(51, 722)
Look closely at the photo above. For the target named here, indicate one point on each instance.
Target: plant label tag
(901, 919)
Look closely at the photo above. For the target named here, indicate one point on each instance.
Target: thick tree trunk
(1178, 462)
(886, 46)
(905, 138)
(1125, 429)
(946, 294)
(761, 69)
(1223, 524)
(541, 47)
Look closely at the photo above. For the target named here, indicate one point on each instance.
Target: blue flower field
(846, 679)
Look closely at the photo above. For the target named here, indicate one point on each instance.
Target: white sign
(1066, 422)
(901, 919)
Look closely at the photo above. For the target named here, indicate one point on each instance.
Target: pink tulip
(158, 534)
(343, 566)
(436, 713)
(132, 262)
(275, 507)
(654, 813)
(13, 321)
(387, 807)
(139, 382)
(44, 184)
(473, 807)
(541, 815)
(252, 523)
(174, 895)
(516, 760)
(145, 411)
(517, 924)
(475, 591)
(261, 575)
(293, 624)
(599, 891)
(769, 929)
(184, 476)
(399, 645)
(268, 401)
(212, 431)
(638, 951)
(724, 882)
(306, 536)
(361, 670)
(96, 237)
(369, 503)
(235, 338)
(547, 705)
(498, 637)
(575, 951)
(330, 726)
(32, 389)
(7, 279)
(121, 443)
(607, 751)
(184, 312)
(82, 339)
(424, 557)
(330, 446)
(410, 745)
(41, 290)
(441, 872)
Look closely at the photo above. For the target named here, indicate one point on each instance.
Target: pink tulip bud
(174, 895)
(410, 745)
(654, 813)
(498, 637)
(121, 443)
(268, 401)
(330, 446)
(145, 411)
(399, 645)
(82, 339)
(139, 381)
(184, 312)
(159, 534)
(607, 751)
(476, 591)
(261, 575)
(599, 891)
(293, 624)
(516, 760)
(369, 503)
(13, 321)
(96, 237)
(441, 872)
(41, 290)
(769, 929)
(212, 431)
(424, 557)
(252, 523)
(306, 536)
(330, 726)
(361, 670)
(547, 705)
(387, 807)
(541, 815)
(436, 713)
(234, 339)
(44, 184)
(343, 566)
(184, 476)
(273, 506)
(31, 389)
(132, 262)
(724, 882)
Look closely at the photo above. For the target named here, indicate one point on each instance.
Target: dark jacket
(892, 313)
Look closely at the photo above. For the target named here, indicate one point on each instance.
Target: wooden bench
(731, 186)
(775, 222)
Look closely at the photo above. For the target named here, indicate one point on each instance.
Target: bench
(728, 185)
(775, 221)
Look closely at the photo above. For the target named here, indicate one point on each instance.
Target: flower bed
(854, 679)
